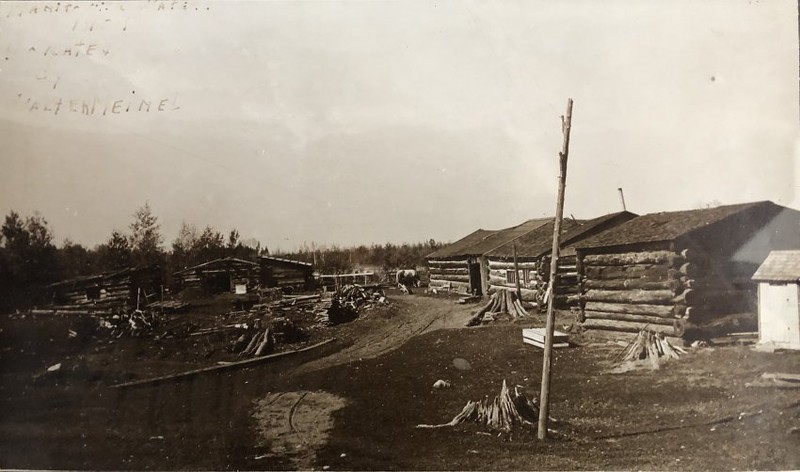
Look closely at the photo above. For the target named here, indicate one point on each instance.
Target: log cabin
(682, 273)
(219, 276)
(106, 292)
(462, 265)
(533, 251)
(286, 274)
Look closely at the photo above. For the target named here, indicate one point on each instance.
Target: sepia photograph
(400, 235)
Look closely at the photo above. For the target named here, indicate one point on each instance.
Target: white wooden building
(779, 300)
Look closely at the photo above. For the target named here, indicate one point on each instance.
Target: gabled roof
(668, 225)
(539, 242)
(224, 262)
(534, 243)
(780, 266)
(482, 241)
(461, 246)
(507, 235)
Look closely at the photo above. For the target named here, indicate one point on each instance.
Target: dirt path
(375, 336)
(296, 424)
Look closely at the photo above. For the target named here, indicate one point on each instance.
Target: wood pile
(131, 323)
(650, 348)
(501, 414)
(168, 306)
(502, 304)
(349, 299)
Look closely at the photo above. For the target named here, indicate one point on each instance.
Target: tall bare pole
(516, 274)
(544, 399)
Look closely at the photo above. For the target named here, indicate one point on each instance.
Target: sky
(358, 122)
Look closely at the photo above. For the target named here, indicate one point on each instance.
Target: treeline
(29, 258)
(334, 259)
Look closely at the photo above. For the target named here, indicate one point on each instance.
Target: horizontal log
(627, 258)
(453, 277)
(510, 265)
(629, 317)
(454, 284)
(668, 311)
(433, 263)
(456, 270)
(648, 272)
(657, 297)
(624, 284)
(724, 298)
(629, 326)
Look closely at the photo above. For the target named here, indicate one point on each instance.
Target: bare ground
(354, 404)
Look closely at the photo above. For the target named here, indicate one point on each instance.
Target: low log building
(286, 274)
(533, 251)
(110, 291)
(682, 273)
(462, 265)
(219, 276)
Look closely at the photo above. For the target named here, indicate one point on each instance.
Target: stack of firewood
(650, 347)
(349, 299)
(503, 302)
(504, 412)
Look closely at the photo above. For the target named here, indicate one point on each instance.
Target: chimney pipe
(622, 199)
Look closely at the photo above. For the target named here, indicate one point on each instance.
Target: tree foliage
(29, 259)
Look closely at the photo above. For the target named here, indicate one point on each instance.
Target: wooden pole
(544, 399)
(516, 273)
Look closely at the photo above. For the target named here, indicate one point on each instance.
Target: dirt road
(373, 336)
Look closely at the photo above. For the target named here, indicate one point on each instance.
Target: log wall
(538, 275)
(198, 278)
(449, 275)
(671, 292)
(107, 294)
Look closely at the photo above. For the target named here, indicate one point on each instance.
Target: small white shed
(779, 299)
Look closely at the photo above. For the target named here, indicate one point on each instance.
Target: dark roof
(225, 262)
(666, 226)
(461, 246)
(483, 241)
(96, 278)
(507, 235)
(539, 242)
(780, 266)
(534, 243)
(285, 261)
